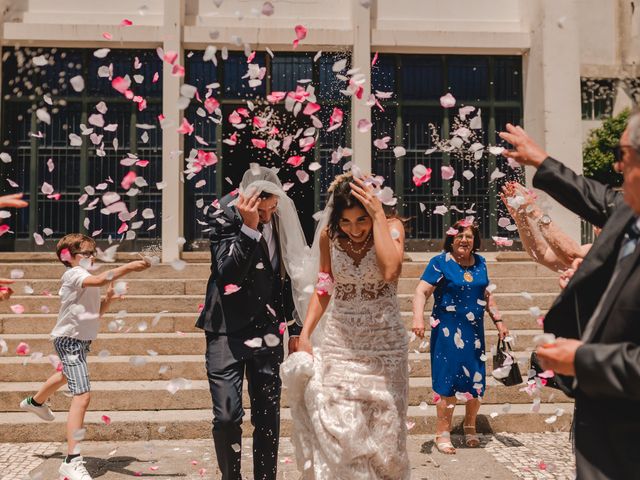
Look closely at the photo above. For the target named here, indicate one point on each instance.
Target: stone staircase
(148, 346)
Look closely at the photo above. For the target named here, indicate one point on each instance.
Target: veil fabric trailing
(300, 261)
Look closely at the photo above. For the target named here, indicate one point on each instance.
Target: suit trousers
(228, 359)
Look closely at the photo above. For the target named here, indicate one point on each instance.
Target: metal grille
(490, 83)
(78, 167)
(284, 71)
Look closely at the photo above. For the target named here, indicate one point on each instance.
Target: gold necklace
(364, 244)
(467, 274)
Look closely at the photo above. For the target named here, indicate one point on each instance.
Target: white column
(361, 142)
(172, 194)
(552, 104)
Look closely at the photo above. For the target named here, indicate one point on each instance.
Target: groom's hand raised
(248, 209)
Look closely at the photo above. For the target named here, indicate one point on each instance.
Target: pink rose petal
(337, 116)
(121, 84)
(295, 160)
(128, 180)
(234, 118)
(447, 101)
(22, 349)
(107, 36)
(126, 23)
(364, 125)
(210, 105)
(447, 172)
(301, 34)
(452, 232)
(17, 309)
(4, 229)
(106, 419)
(170, 57)
(258, 143)
(65, 255)
(275, 97)
(311, 108)
(231, 289)
(185, 128)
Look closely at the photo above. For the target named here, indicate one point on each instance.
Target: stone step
(190, 303)
(164, 367)
(135, 286)
(163, 270)
(130, 303)
(201, 270)
(182, 286)
(153, 395)
(503, 284)
(505, 301)
(194, 342)
(189, 424)
(185, 322)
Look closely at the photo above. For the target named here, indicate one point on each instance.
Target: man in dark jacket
(248, 305)
(596, 318)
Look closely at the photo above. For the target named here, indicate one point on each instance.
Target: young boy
(77, 325)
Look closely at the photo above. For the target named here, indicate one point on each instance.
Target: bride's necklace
(364, 244)
(467, 274)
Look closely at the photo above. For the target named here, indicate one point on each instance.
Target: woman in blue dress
(458, 280)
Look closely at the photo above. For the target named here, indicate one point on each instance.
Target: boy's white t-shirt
(79, 315)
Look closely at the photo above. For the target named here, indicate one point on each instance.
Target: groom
(248, 297)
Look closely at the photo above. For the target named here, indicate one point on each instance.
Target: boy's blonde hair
(73, 243)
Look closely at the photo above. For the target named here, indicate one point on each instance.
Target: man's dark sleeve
(231, 250)
(609, 370)
(587, 198)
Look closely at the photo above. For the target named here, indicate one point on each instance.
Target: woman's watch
(544, 220)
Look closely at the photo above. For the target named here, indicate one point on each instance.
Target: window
(32, 143)
(284, 73)
(598, 97)
(492, 84)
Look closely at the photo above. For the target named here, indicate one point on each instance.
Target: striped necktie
(630, 241)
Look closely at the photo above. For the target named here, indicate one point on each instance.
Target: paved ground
(501, 457)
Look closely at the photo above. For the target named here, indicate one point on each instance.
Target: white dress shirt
(269, 237)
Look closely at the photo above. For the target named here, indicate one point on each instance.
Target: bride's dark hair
(342, 200)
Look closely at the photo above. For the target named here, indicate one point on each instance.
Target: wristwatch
(544, 220)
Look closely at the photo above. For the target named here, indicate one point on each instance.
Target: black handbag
(514, 377)
(534, 366)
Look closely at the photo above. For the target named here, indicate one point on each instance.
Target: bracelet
(495, 322)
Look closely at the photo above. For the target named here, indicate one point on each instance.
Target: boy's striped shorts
(73, 356)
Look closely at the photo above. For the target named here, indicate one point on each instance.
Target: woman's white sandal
(445, 446)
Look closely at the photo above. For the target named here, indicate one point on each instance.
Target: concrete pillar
(361, 59)
(172, 194)
(552, 103)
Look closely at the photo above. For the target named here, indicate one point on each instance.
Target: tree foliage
(597, 152)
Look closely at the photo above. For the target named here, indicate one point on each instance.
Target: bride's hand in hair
(371, 203)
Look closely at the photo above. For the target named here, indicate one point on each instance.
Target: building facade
(555, 66)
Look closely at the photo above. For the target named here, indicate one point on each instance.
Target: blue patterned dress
(457, 341)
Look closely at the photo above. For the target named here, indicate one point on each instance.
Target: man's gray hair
(633, 125)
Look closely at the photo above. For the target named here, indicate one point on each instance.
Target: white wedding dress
(349, 401)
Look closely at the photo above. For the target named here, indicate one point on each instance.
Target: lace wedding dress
(349, 401)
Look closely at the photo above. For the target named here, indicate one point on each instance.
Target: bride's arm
(319, 302)
(389, 250)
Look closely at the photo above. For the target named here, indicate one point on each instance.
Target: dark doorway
(236, 159)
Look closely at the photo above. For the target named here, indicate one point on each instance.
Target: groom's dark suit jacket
(607, 386)
(236, 259)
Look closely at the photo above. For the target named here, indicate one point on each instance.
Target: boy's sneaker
(74, 470)
(43, 411)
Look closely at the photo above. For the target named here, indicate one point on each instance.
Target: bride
(348, 393)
